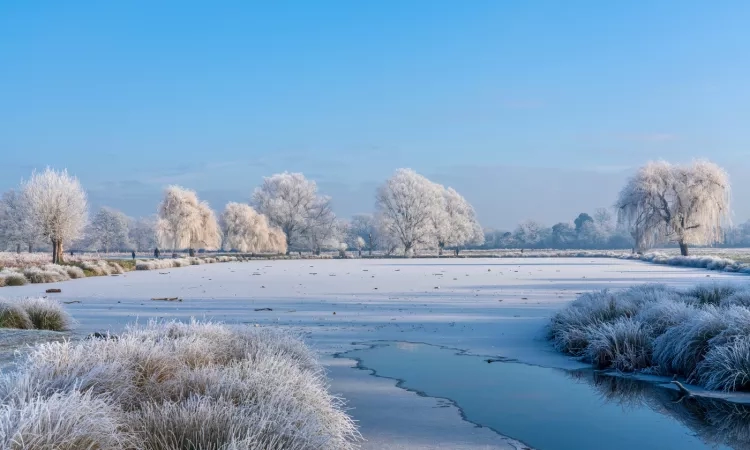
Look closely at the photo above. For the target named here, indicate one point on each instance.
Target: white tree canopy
(109, 230)
(57, 207)
(16, 230)
(248, 231)
(405, 203)
(142, 233)
(456, 223)
(184, 221)
(683, 204)
(291, 202)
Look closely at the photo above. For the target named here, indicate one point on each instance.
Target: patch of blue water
(551, 409)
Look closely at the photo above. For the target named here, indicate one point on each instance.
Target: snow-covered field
(495, 307)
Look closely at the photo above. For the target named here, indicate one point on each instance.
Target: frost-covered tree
(16, 230)
(603, 219)
(109, 230)
(57, 207)
(406, 203)
(207, 233)
(186, 222)
(530, 233)
(142, 234)
(455, 222)
(683, 204)
(248, 231)
(291, 202)
(563, 235)
(366, 227)
(581, 220)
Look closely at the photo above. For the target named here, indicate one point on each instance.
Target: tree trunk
(440, 248)
(457, 251)
(60, 258)
(54, 251)
(407, 250)
(31, 247)
(369, 238)
(18, 248)
(683, 248)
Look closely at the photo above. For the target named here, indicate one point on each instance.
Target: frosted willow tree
(185, 222)
(291, 202)
(683, 204)
(57, 207)
(109, 229)
(248, 231)
(16, 230)
(406, 203)
(455, 222)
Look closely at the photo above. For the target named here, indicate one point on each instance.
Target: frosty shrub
(63, 421)
(50, 273)
(47, 314)
(197, 385)
(700, 334)
(12, 278)
(13, 316)
(74, 272)
(624, 344)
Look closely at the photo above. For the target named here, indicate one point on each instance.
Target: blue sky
(532, 109)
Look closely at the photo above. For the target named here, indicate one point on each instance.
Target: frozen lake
(489, 307)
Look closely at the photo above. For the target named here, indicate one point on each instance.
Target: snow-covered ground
(496, 307)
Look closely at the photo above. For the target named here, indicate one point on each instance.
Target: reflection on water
(716, 421)
(551, 409)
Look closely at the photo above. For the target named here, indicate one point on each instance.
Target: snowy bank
(173, 385)
(697, 261)
(701, 334)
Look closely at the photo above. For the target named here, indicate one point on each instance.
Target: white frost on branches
(417, 212)
(456, 223)
(184, 221)
(406, 203)
(57, 207)
(291, 202)
(109, 230)
(247, 231)
(683, 204)
(16, 230)
(142, 233)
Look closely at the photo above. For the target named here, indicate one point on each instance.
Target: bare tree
(109, 229)
(405, 203)
(291, 202)
(57, 207)
(683, 204)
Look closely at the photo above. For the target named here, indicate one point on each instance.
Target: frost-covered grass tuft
(46, 314)
(63, 421)
(74, 272)
(700, 334)
(13, 315)
(624, 344)
(196, 385)
(50, 273)
(10, 277)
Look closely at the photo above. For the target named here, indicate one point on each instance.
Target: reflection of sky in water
(552, 409)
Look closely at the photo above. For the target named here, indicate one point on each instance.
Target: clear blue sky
(532, 109)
